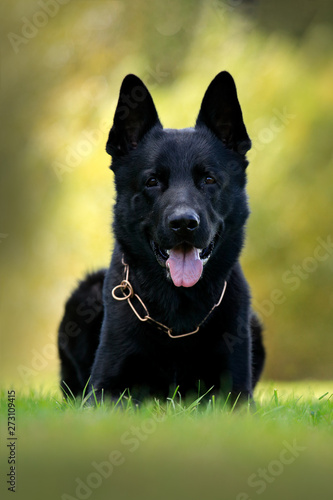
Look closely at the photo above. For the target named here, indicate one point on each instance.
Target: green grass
(174, 449)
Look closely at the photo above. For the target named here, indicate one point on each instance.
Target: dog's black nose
(184, 221)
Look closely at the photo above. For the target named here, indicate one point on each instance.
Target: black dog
(173, 309)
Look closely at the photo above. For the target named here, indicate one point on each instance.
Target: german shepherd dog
(173, 309)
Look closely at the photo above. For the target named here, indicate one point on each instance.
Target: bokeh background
(62, 66)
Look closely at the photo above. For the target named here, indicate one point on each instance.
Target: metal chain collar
(128, 294)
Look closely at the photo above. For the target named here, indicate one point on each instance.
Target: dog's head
(180, 193)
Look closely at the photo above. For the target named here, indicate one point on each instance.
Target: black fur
(177, 191)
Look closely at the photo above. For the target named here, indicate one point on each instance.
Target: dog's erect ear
(135, 115)
(220, 112)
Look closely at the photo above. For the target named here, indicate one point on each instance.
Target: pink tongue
(185, 266)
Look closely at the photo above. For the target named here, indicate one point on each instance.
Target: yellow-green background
(60, 82)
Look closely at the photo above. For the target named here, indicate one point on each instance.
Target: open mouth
(183, 262)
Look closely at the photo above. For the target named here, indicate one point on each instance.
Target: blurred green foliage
(63, 63)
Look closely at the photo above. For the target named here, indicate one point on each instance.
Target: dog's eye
(209, 180)
(152, 182)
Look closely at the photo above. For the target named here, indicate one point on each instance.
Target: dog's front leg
(238, 347)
